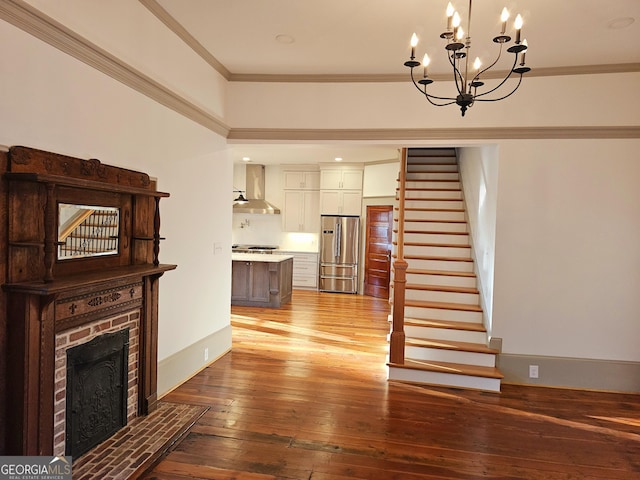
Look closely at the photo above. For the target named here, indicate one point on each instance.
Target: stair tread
(430, 221)
(431, 199)
(446, 324)
(432, 244)
(432, 257)
(444, 180)
(451, 345)
(416, 209)
(432, 232)
(440, 272)
(441, 288)
(422, 189)
(443, 305)
(446, 367)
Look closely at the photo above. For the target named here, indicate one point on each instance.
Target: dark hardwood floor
(303, 395)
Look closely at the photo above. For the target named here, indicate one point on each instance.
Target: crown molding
(176, 27)
(33, 21)
(413, 134)
(392, 78)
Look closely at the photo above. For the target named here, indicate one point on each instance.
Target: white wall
(479, 172)
(540, 101)
(132, 33)
(567, 273)
(53, 102)
(380, 179)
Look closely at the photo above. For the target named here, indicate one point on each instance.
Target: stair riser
(440, 194)
(435, 215)
(436, 378)
(451, 356)
(433, 176)
(434, 226)
(450, 185)
(436, 238)
(411, 202)
(443, 314)
(416, 160)
(441, 280)
(437, 296)
(446, 334)
(449, 266)
(432, 168)
(429, 251)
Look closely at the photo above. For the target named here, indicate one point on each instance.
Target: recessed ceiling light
(246, 159)
(338, 159)
(620, 23)
(285, 39)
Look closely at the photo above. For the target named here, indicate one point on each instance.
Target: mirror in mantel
(87, 231)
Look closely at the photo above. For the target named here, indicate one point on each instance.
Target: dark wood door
(377, 262)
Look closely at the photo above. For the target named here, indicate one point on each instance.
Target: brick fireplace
(75, 337)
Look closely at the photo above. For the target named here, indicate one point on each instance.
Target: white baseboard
(181, 366)
(579, 373)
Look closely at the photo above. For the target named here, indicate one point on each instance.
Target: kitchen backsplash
(257, 229)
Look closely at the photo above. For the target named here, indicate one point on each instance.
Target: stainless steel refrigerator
(339, 244)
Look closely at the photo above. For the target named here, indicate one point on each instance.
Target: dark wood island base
(261, 280)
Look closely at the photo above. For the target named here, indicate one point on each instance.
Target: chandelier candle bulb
(504, 17)
(425, 63)
(518, 26)
(524, 52)
(450, 11)
(414, 42)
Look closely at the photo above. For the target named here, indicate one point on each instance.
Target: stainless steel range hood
(255, 193)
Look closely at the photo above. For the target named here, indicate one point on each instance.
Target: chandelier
(458, 54)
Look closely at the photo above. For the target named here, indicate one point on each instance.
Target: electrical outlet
(533, 371)
(206, 354)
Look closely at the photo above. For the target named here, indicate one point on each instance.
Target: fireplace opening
(96, 393)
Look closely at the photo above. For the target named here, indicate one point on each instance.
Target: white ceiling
(372, 36)
(344, 37)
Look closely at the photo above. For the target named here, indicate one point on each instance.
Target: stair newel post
(396, 348)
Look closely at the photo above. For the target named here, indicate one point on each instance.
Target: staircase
(445, 338)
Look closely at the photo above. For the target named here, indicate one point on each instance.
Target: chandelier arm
(429, 97)
(500, 98)
(423, 91)
(492, 65)
(457, 75)
(515, 60)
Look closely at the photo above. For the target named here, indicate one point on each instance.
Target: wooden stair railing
(397, 339)
(73, 223)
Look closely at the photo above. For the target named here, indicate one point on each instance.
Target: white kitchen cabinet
(301, 180)
(341, 179)
(301, 211)
(340, 202)
(305, 269)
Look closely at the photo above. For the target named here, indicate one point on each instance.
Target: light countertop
(260, 257)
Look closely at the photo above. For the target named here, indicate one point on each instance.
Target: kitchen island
(261, 280)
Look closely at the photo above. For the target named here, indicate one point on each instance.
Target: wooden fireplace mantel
(42, 296)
